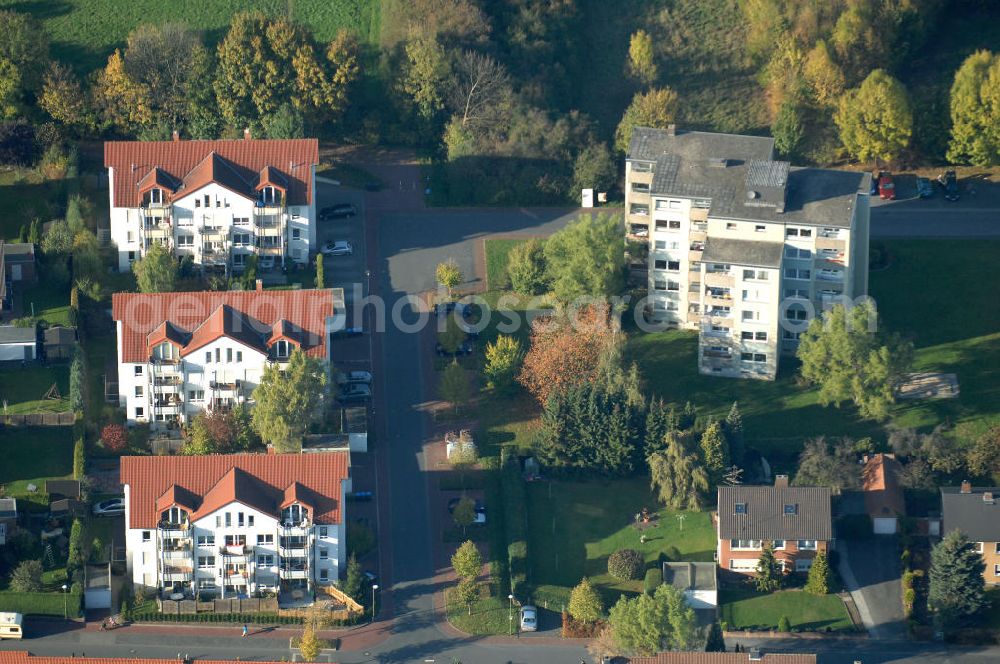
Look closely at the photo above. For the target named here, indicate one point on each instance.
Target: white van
(10, 625)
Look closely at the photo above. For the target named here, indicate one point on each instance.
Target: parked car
(529, 619)
(348, 377)
(353, 397)
(924, 188)
(886, 187)
(338, 248)
(949, 181)
(265, 263)
(465, 348)
(355, 389)
(342, 211)
(480, 510)
(113, 507)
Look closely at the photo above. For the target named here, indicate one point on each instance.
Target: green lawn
(489, 615)
(49, 303)
(23, 390)
(85, 32)
(497, 252)
(32, 455)
(746, 609)
(24, 201)
(574, 526)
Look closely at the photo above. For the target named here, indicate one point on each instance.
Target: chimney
(260, 286)
(176, 136)
(671, 129)
(781, 481)
(966, 487)
(270, 448)
(246, 134)
(755, 655)
(988, 497)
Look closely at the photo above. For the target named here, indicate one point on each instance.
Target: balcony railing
(293, 573)
(234, 550)
(828, 276)
(165, 362)
(718, 354)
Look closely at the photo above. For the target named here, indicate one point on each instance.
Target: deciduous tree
(594, 169)
(24, 44)
(642, 57)
(428, 76)
(875, 120)
(448, 274)
(587, 258)
(156, 271)
(63, 98)
(850, 359)
(973, 117)
(467, 561)
(289, 401)
(677, 477)
(114, 437)
(468, 592)
(585, 602)
(454, 385)
(464, 513)
(353, 579)
(645, 625)
(481, 92)
(656, 108)
(526, 268)
(983, 457)
(788, 129)
(828, 463)
(309, 643)
(824, 75)
(503, 360)
(121, 102)
(956, 581)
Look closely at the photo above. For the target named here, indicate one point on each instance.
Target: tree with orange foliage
(566, 350)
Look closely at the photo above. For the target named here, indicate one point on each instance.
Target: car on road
(338, 248)
(342, 211)
(112, 507)
(348, 377)
(924, 188)
(265, 263)
(529, 618)
(886, 187)
(480, 510)
(949, 182)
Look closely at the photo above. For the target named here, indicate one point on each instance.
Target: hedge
(41, 604)
(654, 578)
(497, 535)
(515, 504)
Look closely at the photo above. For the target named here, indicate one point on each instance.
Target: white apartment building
(215, 201)
(226, 525)
(182, 353)
(743, 248)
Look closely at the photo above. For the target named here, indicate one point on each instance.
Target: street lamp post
(510, 613)
(65, 602)
(374, 588)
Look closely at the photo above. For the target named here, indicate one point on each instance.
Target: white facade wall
(190, 215)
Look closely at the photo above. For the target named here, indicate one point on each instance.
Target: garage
(97, 587)
(884, 525)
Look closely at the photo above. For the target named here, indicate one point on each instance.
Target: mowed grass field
(85, 32)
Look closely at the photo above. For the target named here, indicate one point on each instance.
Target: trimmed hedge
(42, 604)
(515, 507)
(653, 580)
(626, 564)
(497, 535)
(236, 618)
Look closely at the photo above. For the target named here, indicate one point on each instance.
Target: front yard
(574, 526)
(746, 609)
(23, 390)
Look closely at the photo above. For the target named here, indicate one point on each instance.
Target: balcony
(270, 251)
(293, 573)
(720, 279)
(167, 381)
(176, 573)
(157, 231)
(233, 386)
(267, 224)
(830, 243)
(717, 354)
(837, 276)
(175, 555)
(213, 232)
(214, 257)
(699, 214)
(237, 550)
(715, 312)
(175, 531)
(166, 364)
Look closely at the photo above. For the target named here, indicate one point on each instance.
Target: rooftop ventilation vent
(718, 162)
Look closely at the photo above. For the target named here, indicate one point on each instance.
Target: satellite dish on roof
(751, 195)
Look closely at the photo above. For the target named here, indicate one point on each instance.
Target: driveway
(871, 572)
(347, 272)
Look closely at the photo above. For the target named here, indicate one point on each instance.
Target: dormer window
(165, 351)
(174, 516)
(740, 508)
(791, 510)
(294, 515)
(156, 196)
(269, 196)
(282, 349)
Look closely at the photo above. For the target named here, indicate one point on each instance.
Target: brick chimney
(671, 129)
(781, 481)
(259, 286)
(246, 134)
(966, 487)
(176, 136)
(270, 449)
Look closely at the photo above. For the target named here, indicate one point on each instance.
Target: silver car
(529, 619)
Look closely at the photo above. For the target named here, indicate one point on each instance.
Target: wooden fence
(64, 419)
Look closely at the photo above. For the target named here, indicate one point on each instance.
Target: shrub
(114, 437)
(654, 577)
(79, 459)
(27, 577)
(784, 624)
(77, 379)
(625, 564)
(673, 554)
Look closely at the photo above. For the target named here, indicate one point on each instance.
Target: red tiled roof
(261, 481)
(22, 657)
(238, 163)
(721, 658)
(247, 316)
(880, 481)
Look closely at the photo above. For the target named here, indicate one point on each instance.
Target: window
(674, 205)
(265, 539)
(229, 355)
(674, 265)
(130, 237)
(281, 348)
(791, 509)
(760, 336)
(241, 221)
(753, 357)
(750, 315)
(218, 521)
(641, 167)
(740, 508)
(196, 395)
(208, 356)
(229, 520)
(266, 560)
(250, 520)
(207, 201)
(131, 256)
(206, 562)
(239, 519)
(218, 354)
(324, 575)
(138, 370)
(744, 544)
(660, 245)
(239, 356)
(138, 390)
(791, 336)
(659, 264)
(746, 336)
(322, 531)
(236, 540)
(185, 240)
(758, 275)
(759, 228)
(979, 547)
(296, 252)
(778, 544)
(792, 273)
(795, 313)
(805, 232)
(296, 234)
(798, 232)
(641, 210)
(659, 284)
(241, 239)
(795, 252)
(323, 553)
(156, 196)
(146, 536)
(239, 260)
(197, 203)
(730, 226)
(139, 413)
(673, 286)
(671, 225)
(206, 540)
(807, 545)
(673, 245)
(640, 187)
(997, 547)
(797, 293)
